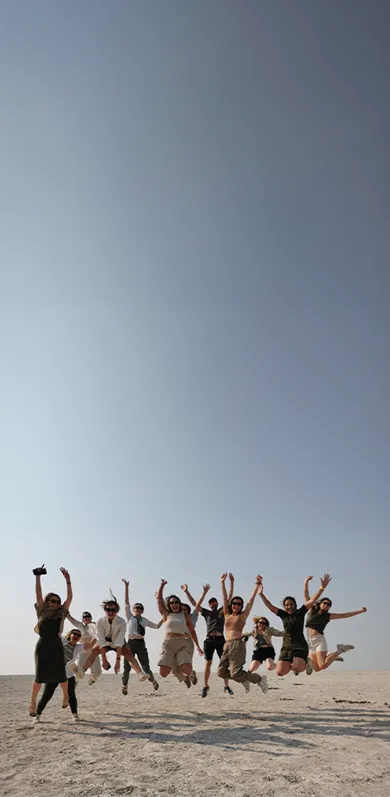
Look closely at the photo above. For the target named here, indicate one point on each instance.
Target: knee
(164, 671)
(186, 668)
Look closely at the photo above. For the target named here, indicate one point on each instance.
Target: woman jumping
(72, 651)
(175, 654)
(135, 640)
(294, 652)
(263, 649)
(317, 619)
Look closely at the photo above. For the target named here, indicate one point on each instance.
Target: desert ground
(324, 734)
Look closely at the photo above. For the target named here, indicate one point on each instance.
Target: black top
(317, 620)
(293, 625)
(215, 620)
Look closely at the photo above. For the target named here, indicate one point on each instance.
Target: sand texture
(324, 734)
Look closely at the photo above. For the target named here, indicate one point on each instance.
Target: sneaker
(296, 673)
(308, 668)
(156, 685)
(194, 678)
(264, 684)
(143, 676)
(344, 648)
(124, 690)
(75, 718)
(91, 680)
(228, 691)
(246, 686)
(204, 691)
(340, 659)
(36, 720)
(187, 681)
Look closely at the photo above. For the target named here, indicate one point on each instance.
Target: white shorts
(317, 643)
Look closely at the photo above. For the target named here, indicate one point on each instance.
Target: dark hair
(51, 595)
(186, 606)
(87, 614)
(213, 599)
(324, 598)
(167, 601)
(261, 619)
(236, 598)
(111, 602)
(289, 598)
(138, 604)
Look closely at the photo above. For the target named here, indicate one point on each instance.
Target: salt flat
(324, 734)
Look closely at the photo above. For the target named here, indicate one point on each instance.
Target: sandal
(124, 690)
(156, 685)
(32, 710)
(65, 703)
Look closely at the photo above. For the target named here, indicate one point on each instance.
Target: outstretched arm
(231, 590)
(186, 591)
(198, 606)
(248, 607)
(38, 591)
(324, 583)
(160, 599)
(193, 634)
(306, 593)
(224, 594)
(69, 593)
(127, 599)
(265, 600)
(347, 614)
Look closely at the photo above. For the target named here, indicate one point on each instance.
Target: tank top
(317, 620)
(175, 623)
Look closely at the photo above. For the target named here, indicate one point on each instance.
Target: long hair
(69, 634)
(316, 606)
(169, 598)
(51, 595)
(261, 619)
(290, 598)
(236, 598)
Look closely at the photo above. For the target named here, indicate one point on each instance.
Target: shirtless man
(215, 639)
(234, 652)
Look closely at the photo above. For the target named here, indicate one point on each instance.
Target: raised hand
(126, 583)
(363, 609)
(163, 582)
(223, 577)
(260, 587)
(325, 580)
(65, 573)
(259, 579)
(206, 587)
(308, 578)
(184, 587)
(231, 576)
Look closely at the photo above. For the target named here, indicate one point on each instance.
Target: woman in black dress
(49, 651)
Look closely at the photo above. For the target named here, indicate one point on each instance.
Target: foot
(246, 686)
(295, 673)
(75, 718)
(65, 702)
(194, 678)
(340, 659)
(264, 684)
(308, 668)
(33, 709)
(187, 681)
(79, 674)
(124, 690)
(143, 676)
(91, 680)
(205, 691)
(344, 648)
(36, 720)
(156, 685)
(228, 691)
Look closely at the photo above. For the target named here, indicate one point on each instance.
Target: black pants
(138, 648)
(48, 693)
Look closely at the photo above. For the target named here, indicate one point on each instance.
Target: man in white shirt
(110, 632)
(135, 639)
(88, 632)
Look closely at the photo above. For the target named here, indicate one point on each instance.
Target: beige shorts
(317, 643)
(174, 652)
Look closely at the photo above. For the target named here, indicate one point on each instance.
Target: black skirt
(49, 654)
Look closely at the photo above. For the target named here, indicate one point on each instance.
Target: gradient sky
(194, 303)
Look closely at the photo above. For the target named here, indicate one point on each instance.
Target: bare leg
(65, 699)
(254, 665)
(314, 662)
(164, 671)
(298, 664)
(270, 664)
(283, 667)
(33, 701)
(207, 671)
(186, 669)
(326, 659)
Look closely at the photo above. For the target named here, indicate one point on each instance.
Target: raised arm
(193, 634)
(198, 606)
(127, 599)
(231, 590)
(38, 591)
(160, 599)
(76, 623)
(186, 591)
(248, 607)
(265, 600)
(69, 593)
(324, 583)
(224, 594)
(347, 614)
(306, 593)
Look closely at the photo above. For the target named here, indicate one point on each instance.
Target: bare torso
(234, 626)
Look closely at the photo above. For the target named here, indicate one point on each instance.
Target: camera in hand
(40, 571)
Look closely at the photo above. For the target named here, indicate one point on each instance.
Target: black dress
(49, 653)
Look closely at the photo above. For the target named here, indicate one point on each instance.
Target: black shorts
(211, 645)
(261, 654)
(297, 650)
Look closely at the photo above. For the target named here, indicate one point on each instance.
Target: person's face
(54, 601)
(87, 618)
(289, 606)
(75, 637)
(111, 610)
(325, 605)
(138, 609)
(174, 604)
(185, 610)
(213, 605)
(261, 626)
(236, 606)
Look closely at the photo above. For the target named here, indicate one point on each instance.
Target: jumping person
(110, 632)
(294, 652)
(317, 619)
(233, 656)
(88, 632)
(264, 650)
(135, 639)
(175, 654)
(49, 651)
(215, 640)
(193, 678)
(72, 650)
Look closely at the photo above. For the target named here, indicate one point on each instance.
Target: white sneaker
(344, 648)
(246, 685)
(36, 720)
(264, 684)
(309, 668)
(143, 676)
(75, 718)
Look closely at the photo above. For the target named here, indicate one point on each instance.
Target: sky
(194, 305)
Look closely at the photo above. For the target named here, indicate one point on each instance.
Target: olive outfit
(49, 650)
(294, 643)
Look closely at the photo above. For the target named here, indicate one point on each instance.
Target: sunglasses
(111, 611)
(326, 603)
(78, 635)
(236, 603)
(137, 606)
(87, 616)
(174, 603)
(261, 622)
(54, 600)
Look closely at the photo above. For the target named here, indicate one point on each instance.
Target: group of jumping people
(64, 659)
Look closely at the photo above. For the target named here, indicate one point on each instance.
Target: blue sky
(194, 296)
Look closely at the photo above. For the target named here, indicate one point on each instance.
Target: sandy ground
(324, 734)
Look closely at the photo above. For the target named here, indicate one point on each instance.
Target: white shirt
(88, 630)
(116, 630)
(77, 649)
(132, 627)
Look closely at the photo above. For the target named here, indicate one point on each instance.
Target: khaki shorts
(317, 643)
(174, 652)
